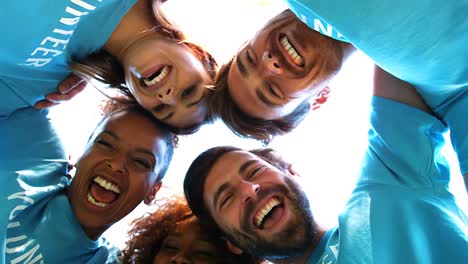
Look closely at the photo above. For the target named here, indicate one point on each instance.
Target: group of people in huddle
(239, 206)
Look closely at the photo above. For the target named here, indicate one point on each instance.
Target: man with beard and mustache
(400, 211)
(283, 71)
(46, 217)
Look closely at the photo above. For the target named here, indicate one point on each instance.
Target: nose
(117, 164)
(271, 64)
(180, 259)
(249, 190)
(165, 94)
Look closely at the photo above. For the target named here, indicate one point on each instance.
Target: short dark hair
(198, 171)
(244, 125)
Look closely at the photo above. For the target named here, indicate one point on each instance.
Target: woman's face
(167, 79)
(188, 244)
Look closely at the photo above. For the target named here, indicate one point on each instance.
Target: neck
(138, 19)
(303, 258)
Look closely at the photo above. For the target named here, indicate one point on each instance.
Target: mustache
(251, 204)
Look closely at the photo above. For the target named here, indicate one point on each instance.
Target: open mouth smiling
(102, 192)
(291, 52)
(269, 214)
(156, 78)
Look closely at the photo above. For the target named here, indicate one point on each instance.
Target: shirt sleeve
(29, 141)
(404, 147)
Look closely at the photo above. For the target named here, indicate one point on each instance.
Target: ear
(234, 249)
(321, 98)
(152, 193)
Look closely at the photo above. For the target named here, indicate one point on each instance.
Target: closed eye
(253, 172)
(159, 108)
(104, 143)
(274, 91)
(143, 163)
(225, 201)
(187, 92)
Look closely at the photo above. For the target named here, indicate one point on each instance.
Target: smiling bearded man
(401, 210)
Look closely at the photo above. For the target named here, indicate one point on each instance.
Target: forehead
(134, 129)
(226, 169)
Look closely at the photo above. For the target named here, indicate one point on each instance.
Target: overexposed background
(326, 148)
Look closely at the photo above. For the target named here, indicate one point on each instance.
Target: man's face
(117, 171)
(285, 64)
(260, 208)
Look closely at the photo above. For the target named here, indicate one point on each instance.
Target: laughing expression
(167, 79)
(118, 170)
(259, 207)
(283, 65)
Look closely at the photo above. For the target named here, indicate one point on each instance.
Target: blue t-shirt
(39, 38)
(401, 210)
(423, 42)
(37, 224)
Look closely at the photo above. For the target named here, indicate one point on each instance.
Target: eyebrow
(110, 133)
(264, 99)
(241, 66)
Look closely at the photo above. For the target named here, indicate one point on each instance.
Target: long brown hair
(104, 68)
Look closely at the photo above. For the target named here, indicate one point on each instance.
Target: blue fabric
(423, 42)
(36, 219)
(401, 210)
(40, 38)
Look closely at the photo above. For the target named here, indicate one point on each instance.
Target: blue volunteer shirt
(37, 224)
(39, 38)
(423, 42)
(401, 210)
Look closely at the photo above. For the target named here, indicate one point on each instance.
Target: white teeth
(265, 210)
(107, 185)
(96, 203)
(163, 73)
(291, 51)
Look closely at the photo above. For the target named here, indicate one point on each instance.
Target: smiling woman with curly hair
(172, 234)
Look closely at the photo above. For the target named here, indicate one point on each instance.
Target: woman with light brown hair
(125, 44)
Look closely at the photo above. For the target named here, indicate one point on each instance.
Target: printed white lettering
(324, 259)
(63, 32)
(75, 12)
(80, 9)
(17, 208)
(318, 26)
(13, 224)
(18, 248)
(28, 256)
(46, 51)
(55, 41)
(84, 4)
(22, 196)
(37, 62)
(69, 21)
(304, 19)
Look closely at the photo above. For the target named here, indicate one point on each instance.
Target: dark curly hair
(148, 233)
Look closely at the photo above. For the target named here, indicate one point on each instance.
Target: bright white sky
(326, 148)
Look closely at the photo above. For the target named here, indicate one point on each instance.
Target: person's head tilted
(123, 164)
(269, 86)
(254, 200)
